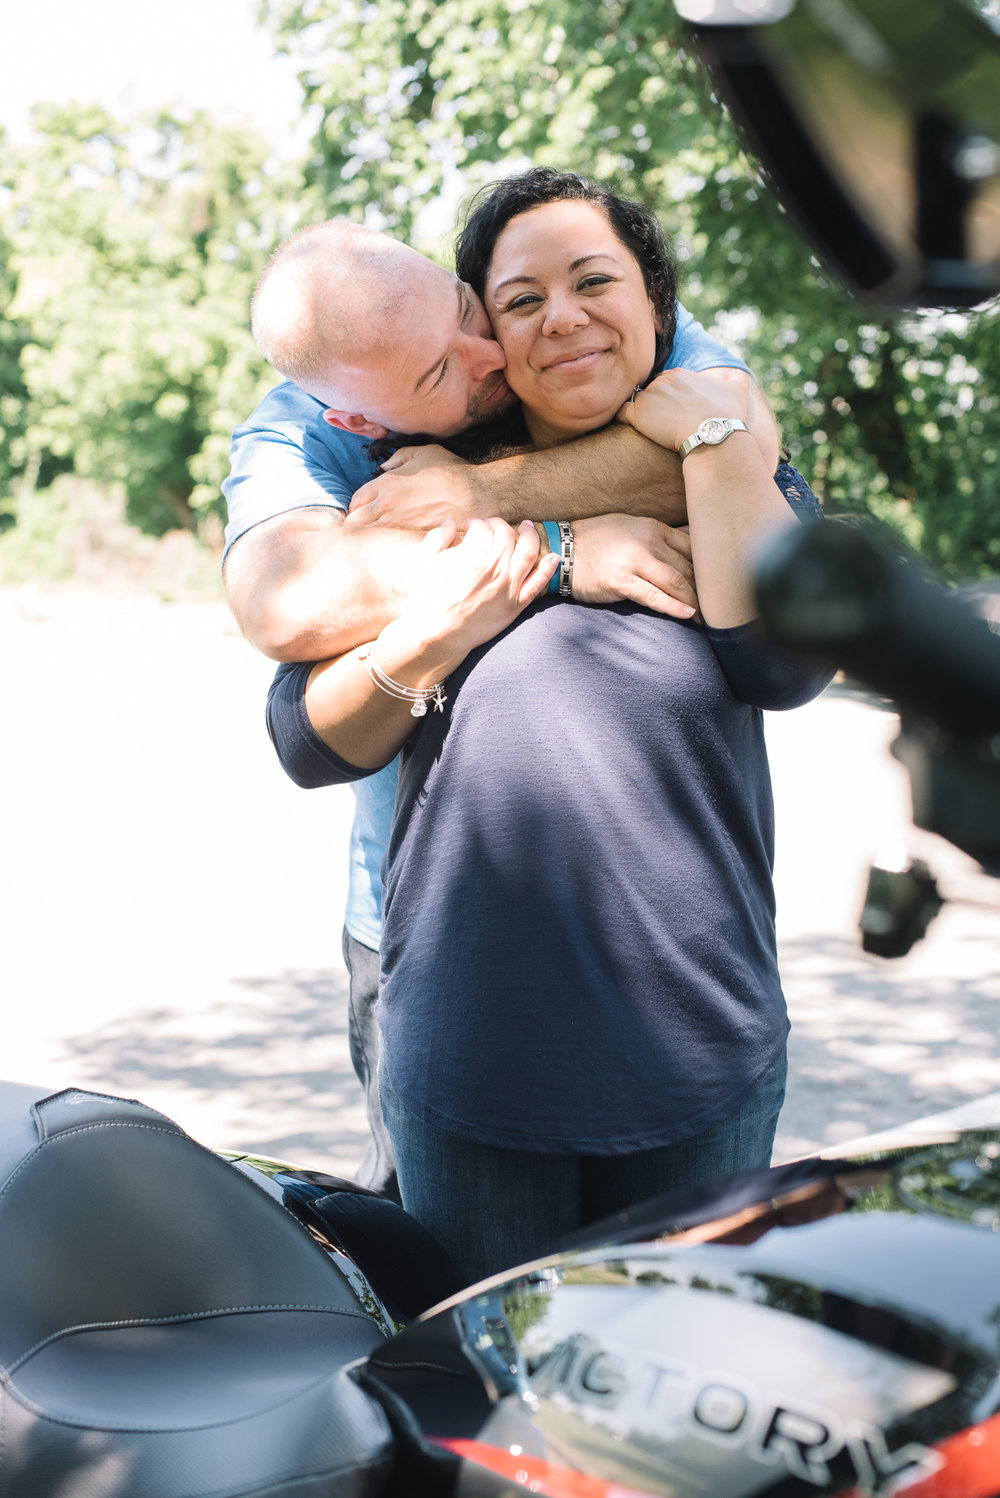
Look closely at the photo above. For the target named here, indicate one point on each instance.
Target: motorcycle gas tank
(842, 1336)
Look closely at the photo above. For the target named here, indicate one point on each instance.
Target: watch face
(714, 430)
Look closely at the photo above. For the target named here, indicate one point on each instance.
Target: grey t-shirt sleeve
(764, 675)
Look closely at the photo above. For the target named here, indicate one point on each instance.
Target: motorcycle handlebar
(827, 590)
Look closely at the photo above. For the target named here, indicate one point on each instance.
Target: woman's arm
(733, 503)
(463, 595)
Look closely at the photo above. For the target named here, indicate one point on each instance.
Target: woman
(580, 999)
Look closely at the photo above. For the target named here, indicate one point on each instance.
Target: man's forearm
(615, 470)
(304, 588)
(601, 473)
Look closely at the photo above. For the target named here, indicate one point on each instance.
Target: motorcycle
(180, 1324)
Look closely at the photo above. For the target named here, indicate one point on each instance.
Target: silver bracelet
(566, 570)
(419, 696)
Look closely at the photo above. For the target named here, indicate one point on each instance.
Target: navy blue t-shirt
(578, 947)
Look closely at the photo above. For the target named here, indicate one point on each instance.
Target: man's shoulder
(285, 456)
(697, 350)
(290, 410)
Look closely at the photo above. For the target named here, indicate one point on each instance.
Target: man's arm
(306, 585)
(589, 476)
(607, 471)
(303, 588)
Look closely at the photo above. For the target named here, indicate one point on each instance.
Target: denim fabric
(377, 1170)
(493, 1209)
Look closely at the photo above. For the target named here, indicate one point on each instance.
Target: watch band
(711, 432)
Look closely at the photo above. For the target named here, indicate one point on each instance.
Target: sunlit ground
(172, 904)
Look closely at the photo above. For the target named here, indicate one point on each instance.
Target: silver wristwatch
(713, 431)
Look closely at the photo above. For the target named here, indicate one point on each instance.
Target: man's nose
(484, 357)
(563, 314)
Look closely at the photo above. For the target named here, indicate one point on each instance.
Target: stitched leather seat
(166, 1329)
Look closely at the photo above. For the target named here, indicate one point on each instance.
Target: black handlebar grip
(828, 590)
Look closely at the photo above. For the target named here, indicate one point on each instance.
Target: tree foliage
(128, 252)
(421, 101)
(132, 254)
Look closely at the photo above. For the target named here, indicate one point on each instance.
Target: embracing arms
(363, 704)
(595, 475)
(305, 584)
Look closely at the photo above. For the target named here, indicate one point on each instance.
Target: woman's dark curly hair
(492, 209)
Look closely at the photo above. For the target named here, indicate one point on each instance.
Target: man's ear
(350, 421)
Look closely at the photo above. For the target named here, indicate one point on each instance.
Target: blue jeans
(376, 1169)
(497, 1208)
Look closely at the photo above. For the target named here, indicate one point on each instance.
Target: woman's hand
(628, 557)
(675, 404)
(467, 591)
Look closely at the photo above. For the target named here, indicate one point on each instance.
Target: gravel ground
(172, 904)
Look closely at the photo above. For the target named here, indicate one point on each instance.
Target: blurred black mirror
(878, 123)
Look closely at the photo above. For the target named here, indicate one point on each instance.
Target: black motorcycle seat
(167, 1330)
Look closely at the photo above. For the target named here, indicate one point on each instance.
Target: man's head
(386, 338)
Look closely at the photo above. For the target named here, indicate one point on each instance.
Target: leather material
(167, 1330)
(406, 1266)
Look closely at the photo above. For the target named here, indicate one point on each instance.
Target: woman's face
(570, 308)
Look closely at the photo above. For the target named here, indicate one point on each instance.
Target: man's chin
(498, 401)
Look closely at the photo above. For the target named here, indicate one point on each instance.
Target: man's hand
(619, 558)
(420, 488)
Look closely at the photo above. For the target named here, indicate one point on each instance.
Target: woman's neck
(545, 433)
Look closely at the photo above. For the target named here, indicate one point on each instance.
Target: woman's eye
(527, 299)
(590, 281)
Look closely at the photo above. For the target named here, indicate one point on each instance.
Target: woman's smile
(580, 361)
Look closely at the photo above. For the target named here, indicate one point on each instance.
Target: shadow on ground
(874, 1044)
(268, 1069)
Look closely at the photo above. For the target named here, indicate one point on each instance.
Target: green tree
(13, 392)
(135, 249)
(420, 101)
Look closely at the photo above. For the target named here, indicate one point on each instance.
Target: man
(377, 341)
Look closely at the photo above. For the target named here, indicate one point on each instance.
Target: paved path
(171, 903)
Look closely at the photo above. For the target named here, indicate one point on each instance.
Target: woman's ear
(352, 421)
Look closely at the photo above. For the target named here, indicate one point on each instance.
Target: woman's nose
(563, 314)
